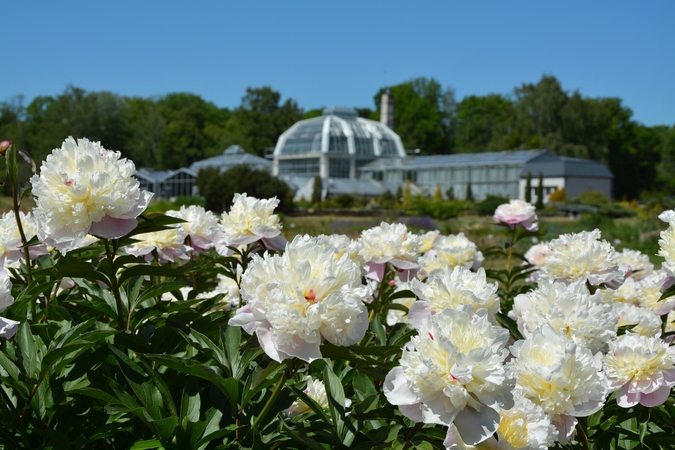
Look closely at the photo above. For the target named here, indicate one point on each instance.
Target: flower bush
(188, 330)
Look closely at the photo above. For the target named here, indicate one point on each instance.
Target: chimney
(387, 110)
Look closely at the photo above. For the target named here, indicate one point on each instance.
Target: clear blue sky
(324, 53)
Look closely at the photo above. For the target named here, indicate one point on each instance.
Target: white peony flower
(428, 240)
(451, 289)
(344, 245)
(525, 426)
(85, 189)
(451, 251)
(390, 243)
(168, 245)
(8, 328)
(200, 225)
(570, 310)
(10, 238)
(250, 220)
(560, 376)
(517, 213)
(538, 253)
(6, 298)
(582, 256)
(315, 390)
(296, 300)
(645, 322)
(650, 293)
(634, 263)
(453, 372)
(395, 316)
(643, 367)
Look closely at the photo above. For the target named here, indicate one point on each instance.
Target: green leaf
(145, 445)
(406, 293)
(156, 290)
(191, 402)
(510, 325)
(336, 399)
(148, 270)
(30, 358)
(378, 330)
(195, 369)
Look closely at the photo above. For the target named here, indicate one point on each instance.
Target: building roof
(234, 155)
(563, 166)
(339, 131)
(157, 176)
(458, 159)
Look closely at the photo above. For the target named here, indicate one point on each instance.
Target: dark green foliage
(261, 118)
(469, 194)
(218, 188)
(317, 189)
(422, 114)
(540, 193)
(528, 188)
(488, 206)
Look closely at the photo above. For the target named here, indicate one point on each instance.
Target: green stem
(273, 397)
(123, 322)
(507, 288)
(581, 431)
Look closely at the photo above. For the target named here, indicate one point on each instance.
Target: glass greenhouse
(334, 145)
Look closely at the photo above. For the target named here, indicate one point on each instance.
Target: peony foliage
(188, 330)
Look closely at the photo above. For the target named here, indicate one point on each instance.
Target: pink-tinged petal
(412, 412)
(404, 264)
(476, 426)
(301, 349)
(275, 243)
(417, 313)
(265, 231)
(375, 271)
(656, 398)
(112, 228)
(8, 327)
(242, 317)
(267, 344)
(531, 226)
(407, 275)
(397, 391)
(627, 399)
(450, 438)
(565, 425)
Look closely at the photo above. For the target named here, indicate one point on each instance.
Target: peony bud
(4, 146)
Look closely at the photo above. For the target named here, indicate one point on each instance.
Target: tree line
(174, 130)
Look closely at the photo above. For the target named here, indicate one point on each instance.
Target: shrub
(487, 207)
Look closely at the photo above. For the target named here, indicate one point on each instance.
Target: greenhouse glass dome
(334, 145)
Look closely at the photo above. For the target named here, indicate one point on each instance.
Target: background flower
(200, 225)
(517, 213)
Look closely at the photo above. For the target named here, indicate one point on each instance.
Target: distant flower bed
(195, 330)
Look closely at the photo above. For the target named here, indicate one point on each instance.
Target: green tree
(484, 124)
(192, 131)
(218, 188)
(540, 193)
(469, 193)
(423, 114)
(261, 118)
(317, 190)
(528, 188)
